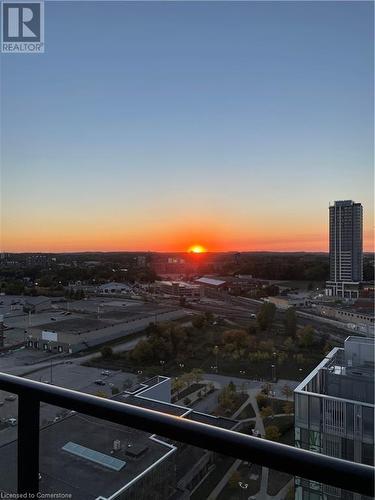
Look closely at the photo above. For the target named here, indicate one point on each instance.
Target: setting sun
(197, 249)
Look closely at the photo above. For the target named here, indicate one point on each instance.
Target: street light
(273, 372)
(216, 351)
(274, 366)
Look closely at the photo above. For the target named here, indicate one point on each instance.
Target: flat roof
(71, 473)
(210, 281)
(94, 456)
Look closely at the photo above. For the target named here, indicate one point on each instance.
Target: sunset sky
(158, 126)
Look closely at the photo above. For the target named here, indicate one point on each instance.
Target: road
(23, 369)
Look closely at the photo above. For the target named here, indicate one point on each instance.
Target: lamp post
(51, 366)
(216, 352)
(274, 366)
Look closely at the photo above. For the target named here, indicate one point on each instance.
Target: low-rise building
(114, 289)
(177, 288)
(212, 287)
(285, 302)
(363, 319)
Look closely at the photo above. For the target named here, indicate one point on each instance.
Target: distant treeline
(306, 267)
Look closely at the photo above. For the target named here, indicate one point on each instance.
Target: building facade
(345, 248)
(334, 412)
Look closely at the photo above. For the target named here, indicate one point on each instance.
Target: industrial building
(334, 411)
(114, 289)
(363, 321)
(177, 289)
(284, 302)
(94, 322)
(212, 287)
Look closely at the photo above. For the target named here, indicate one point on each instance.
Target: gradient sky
(155, 126)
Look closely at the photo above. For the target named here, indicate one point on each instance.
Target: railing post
(28, 444)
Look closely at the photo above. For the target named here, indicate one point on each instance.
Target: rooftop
(210, 281)
(87, 457)
(346, 374)
(83, 478)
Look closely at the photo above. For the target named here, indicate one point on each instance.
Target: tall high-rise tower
(345, 247)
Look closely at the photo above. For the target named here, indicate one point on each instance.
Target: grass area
(247, 412)
(277, 405)
(250, 476)
(239, 399)
(285, 424)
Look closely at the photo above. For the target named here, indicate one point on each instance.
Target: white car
(12, 421)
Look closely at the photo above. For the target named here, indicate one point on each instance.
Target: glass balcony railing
(134, 452)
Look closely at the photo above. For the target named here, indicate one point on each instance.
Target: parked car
(106, 372)
(99, 382)
(11, 397)
(12, 421)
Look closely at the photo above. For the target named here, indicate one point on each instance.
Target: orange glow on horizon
(197, 249)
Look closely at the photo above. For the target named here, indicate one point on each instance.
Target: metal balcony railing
(350, 476)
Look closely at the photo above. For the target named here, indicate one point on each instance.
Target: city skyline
(234, 137)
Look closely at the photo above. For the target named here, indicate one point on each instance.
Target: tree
(266, 315)
(266, 345)
(209, 317)
(261, 400)
(272, 433)
(266, 412)
(234, 479)
(252, 330)
(187, 379)
(106, 351)
(231, 386)
(198, 321)
(235, 343)
(266, 388)
(289, 344)
(288, 407)
(287, 391)
(306, 336)
(115, 390)
(290, 322)
(197, 375)
(228, 397)
(177, 385)
(142, 352)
